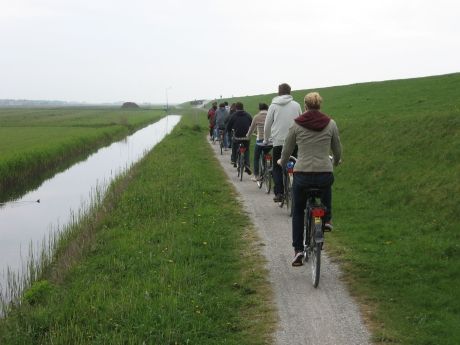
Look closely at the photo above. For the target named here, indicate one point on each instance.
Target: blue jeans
(301, 183)
(259, 151)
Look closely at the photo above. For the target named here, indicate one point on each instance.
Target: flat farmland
(36, 143)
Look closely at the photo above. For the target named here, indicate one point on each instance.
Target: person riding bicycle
(240, 123)
(280, 117)
(315, 135)
(220, 117)
(258, 124)
(211, 118)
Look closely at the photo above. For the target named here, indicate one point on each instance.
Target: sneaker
(248, 171)
(328, 226)
(255, 178)
(298, 259)
(278, 198)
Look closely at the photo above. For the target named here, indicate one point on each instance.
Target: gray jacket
(314, 148)
(221, 116)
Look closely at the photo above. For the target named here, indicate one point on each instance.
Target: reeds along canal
(26, 224)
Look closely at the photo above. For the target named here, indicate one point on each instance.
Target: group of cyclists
(310, 136)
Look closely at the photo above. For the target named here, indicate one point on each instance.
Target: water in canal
(26, 222)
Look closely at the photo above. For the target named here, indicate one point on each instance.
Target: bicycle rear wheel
(221, 146)
(315, 255)
(284, 200)
(262, 168)
(241, 166)
(288, 194)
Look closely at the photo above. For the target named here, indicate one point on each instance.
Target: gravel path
(324, 316)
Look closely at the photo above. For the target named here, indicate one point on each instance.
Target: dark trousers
(277, 171)
(301, 183)
(235, 147)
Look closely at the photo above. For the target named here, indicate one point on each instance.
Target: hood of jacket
(313, 120)
(282, 100)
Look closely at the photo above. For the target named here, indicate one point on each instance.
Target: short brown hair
(313, 100)
(284, 89)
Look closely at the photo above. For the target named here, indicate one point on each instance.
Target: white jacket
(280, 118)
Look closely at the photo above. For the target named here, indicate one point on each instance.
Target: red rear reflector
(318, 212)
(290, 170)
(242, 149)
(268, 157)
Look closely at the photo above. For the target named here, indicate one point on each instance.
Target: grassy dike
(172, 261)
(396, 204)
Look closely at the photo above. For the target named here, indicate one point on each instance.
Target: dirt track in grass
(326, 315)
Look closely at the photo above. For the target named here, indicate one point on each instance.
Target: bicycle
(265, 168)
(314, 232)
(221, 141)
(240, 166)
(288, 178)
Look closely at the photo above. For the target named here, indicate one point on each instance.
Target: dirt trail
(324, 316)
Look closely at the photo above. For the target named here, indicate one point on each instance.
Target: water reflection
(26, 221)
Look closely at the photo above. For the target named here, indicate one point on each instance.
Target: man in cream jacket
(280, 117)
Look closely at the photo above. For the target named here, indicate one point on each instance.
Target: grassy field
(170, 264)
(35, 143)
(169, 259)
(396, 202)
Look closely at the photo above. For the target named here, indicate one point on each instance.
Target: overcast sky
(143, 51)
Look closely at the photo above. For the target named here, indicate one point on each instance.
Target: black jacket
(240, 122)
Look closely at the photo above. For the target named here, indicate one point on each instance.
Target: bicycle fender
(319, 235)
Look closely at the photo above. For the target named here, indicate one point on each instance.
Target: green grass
(36, 143)
(172, 260)
(396, 203)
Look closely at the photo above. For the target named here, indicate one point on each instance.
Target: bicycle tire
(221, 146)
(238, 163)
(268, 178)
(315, 255)
(241, 166)
(262, 167)
(288, 193)
(315, 263)
(283, 200)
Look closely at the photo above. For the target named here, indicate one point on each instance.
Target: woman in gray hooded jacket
(315, 135)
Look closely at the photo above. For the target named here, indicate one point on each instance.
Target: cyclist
(221, 115)
(228, 131)
(315, 135)
(280, 117)
(258, 124)
(211, 118)
(240, 122)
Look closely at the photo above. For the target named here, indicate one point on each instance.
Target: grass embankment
(36, 143)
(171, 262)
(396, 203)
